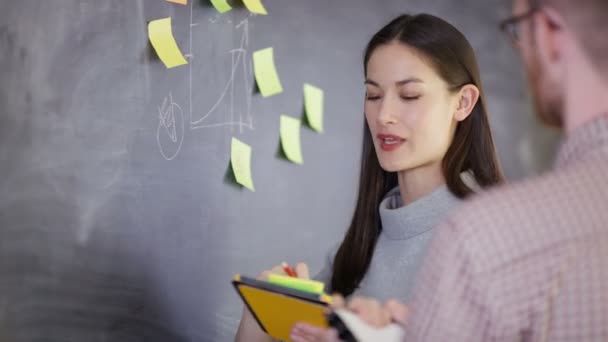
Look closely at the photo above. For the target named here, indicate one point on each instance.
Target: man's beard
(548, 102)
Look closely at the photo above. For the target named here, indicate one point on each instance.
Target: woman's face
(409, 109)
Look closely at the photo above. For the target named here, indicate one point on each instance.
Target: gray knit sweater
(401, 247)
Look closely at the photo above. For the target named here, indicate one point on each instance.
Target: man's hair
(589, 21)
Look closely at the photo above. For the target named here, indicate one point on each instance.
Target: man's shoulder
(544, 197)
(508, 202)
(525, 217)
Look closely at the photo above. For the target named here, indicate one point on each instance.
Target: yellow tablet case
(277, 309)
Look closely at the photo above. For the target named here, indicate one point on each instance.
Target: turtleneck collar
(403, 222)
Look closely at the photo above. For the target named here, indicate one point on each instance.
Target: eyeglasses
(511, 28)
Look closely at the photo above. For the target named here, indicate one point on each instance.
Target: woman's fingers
(276, 270)
(303, 332)
(264, 275)
(337, 302)
(370, 311)
(398, 311)
(302, 271)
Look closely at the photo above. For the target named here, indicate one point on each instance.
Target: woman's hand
(369, 310)
(377, 315)
(301, 270)
(304, 332)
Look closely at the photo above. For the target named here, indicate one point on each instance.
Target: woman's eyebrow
(399, 83)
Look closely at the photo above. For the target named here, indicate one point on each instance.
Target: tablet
(277, 308)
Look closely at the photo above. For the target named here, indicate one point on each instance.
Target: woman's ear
(467, 99)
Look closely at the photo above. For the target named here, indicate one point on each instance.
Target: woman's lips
(390, 142)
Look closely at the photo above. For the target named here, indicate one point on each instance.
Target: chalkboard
(116, 226)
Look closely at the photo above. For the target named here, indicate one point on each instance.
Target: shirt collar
(584, 141)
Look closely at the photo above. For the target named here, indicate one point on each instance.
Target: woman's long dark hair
(472, 148)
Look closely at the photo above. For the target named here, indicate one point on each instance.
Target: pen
(290, 271)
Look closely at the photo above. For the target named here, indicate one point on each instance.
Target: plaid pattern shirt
(526, 262)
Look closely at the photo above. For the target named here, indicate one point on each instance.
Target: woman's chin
(390, 166)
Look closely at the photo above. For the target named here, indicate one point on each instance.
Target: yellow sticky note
(240, 158)
(221, 6)
(183, 2)
(313, 101)
(161, 37)
(290, 138)
(266, 73)
(255, 6)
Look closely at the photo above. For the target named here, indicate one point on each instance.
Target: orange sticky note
(183, 2)
(161, 37)
(255, 6)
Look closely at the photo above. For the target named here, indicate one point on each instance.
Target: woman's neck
(417, 183)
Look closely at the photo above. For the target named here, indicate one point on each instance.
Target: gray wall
(103, 238)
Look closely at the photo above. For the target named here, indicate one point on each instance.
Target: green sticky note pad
(221, 6)
(313, 103)
(290, 138)
(265, 72)
(306, 285)
(240, 158)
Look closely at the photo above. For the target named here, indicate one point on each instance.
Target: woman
(427, 144)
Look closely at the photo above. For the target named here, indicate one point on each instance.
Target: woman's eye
(372, 97)
(410, 98)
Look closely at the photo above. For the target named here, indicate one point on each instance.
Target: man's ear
(548, 35)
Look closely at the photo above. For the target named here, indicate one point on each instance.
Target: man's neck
(586, 97)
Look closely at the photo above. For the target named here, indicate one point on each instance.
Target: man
(529, 261)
